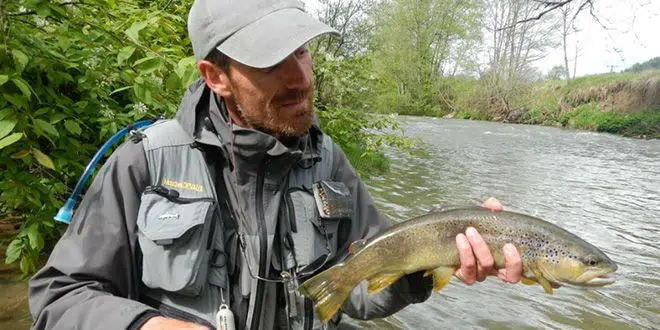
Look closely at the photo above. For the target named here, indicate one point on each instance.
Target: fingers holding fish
(492, 204)
(513, 265)
(477, 261)
(481, 250)
(467, 273)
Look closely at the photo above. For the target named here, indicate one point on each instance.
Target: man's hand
(163, 323)
(476, 259)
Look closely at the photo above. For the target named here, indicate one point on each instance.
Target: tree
(564, 35)
(557, 72)
(515, 46)
(542, 8)
(651, 64)
(350, 19)
(412, 49)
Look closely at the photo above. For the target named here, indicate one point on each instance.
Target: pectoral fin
(356, 246)
(441, 276)
(527, 281)
(543, 281)
(382, 281)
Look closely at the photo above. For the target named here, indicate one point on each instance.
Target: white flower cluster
(40, 22)
(91, 62)
(106, 112)
(155, 80)
(140, 108)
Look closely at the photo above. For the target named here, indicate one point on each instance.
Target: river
(604, 188)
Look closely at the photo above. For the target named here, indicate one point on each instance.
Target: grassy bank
(627, 104)
(13, 290)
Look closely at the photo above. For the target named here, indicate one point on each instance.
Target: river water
(602, 187)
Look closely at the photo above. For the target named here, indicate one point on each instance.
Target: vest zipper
(263, 249)
(173, 195)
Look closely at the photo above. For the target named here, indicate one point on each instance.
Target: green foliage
(343, 82)
(345, 95)
(589, 117)
(652, 64)
(611, 103)
(597, 79)
(72, 74)
(412, 48)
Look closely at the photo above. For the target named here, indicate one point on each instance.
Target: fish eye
(590, 261)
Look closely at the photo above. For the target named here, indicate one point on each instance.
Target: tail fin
(328, 289)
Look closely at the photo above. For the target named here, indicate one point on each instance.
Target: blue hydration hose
(66, 212)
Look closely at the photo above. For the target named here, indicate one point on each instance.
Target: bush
(589, 117)
(69, 80)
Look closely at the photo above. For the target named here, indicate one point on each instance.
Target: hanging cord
(239, 199)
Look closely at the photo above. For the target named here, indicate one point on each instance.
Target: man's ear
(216, 78)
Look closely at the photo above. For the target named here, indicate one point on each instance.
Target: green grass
(589, 117)
(604, 78)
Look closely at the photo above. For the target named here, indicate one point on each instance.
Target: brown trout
(550, 255)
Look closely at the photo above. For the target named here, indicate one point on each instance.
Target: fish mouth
(601, 280)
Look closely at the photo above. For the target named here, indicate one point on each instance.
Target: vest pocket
(175, 240)
(310, 240)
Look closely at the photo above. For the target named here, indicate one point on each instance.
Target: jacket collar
(204, 117)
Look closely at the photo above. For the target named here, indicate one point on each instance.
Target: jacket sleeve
(368, 222)
(90, 280)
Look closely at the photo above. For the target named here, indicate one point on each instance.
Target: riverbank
(626, 104)
(13, 290)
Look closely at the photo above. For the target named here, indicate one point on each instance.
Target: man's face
(276, 100)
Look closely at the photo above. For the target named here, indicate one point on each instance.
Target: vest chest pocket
(176, 243)
(311, 236)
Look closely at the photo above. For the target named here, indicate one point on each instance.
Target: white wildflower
(40, 22)
(140, 108)
(91, 63)
(156, 80)
(106, 112)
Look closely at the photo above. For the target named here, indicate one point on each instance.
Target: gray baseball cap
(257, 33)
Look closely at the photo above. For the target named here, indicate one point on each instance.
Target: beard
(269, 118)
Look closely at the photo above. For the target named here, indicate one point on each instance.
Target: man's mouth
(295, 105)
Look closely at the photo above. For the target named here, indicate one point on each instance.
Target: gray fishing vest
(181, 233)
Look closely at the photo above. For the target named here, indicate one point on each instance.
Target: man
(213, 216)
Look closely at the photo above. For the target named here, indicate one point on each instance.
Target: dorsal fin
(444, 207)
(356, 246)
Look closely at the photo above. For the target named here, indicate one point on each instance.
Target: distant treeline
(651, 64)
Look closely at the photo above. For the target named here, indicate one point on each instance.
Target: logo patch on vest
(169, 216)
(183, 185)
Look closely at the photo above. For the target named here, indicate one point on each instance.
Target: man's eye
(301, 51)
(268, 69)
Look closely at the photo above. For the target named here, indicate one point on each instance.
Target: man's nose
(295, 73)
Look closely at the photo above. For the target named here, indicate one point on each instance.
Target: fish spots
(555, 253)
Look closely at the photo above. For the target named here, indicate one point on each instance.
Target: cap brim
(272, 38)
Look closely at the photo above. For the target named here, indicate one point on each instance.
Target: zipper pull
(291, 296)
(165, 192)
(241, 241)
(225, 318)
